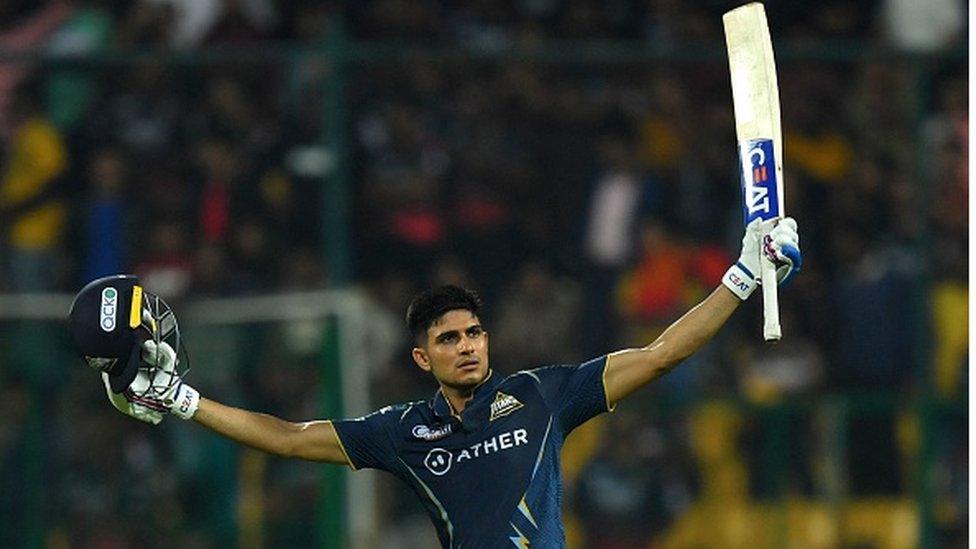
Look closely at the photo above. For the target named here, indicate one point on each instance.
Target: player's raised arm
(311, 440)
(631, 369)
(132, 338)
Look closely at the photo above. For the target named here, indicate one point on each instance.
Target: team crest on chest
(503, 405)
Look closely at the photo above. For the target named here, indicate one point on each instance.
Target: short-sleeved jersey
(491, 477)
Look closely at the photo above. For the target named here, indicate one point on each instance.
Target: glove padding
(148, 401)
(781, 245)
(143, 408)
(179, 399)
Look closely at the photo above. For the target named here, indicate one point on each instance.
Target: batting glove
(781, 245)
(179, 398)
(130, 403)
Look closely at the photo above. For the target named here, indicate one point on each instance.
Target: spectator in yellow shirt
(33, 212)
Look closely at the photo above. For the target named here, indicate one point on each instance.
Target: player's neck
(457, 400)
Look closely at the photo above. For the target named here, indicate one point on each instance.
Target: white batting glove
(146, 409)
(781, 246)
(180, 399)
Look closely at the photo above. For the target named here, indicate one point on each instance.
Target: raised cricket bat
(755, 97)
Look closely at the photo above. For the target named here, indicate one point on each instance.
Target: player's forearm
(313, 440)
(695, 328)
(260, 431)
(631, 369)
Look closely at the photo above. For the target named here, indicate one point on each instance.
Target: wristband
(186, 402)
(740, 280)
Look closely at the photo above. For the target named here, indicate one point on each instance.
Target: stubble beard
(466, 387)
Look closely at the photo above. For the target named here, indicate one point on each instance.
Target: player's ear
(421, 357)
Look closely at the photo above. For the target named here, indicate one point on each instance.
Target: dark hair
(428, 306)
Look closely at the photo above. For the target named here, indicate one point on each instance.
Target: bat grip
(771, 327)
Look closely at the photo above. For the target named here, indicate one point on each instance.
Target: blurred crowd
(589, 201)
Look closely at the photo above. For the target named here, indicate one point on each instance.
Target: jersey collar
(442, 407)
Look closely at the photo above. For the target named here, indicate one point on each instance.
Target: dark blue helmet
(110, 319)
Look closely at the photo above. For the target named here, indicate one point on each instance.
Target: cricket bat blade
(755, 100)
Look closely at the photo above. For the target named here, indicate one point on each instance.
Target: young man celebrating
(483, 454)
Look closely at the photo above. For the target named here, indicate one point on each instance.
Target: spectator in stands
(69, 92)
(541, 303)
(668, 272)
(24, 26)
(165, 264)
(142, 113)
(104, 217)
(223, 194)
(616, 493)
(253, 255)
(191, 23)
(33, 205)
(621, 195)
(950, 220)
(241, 22)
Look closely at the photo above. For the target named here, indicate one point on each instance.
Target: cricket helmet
(111, 318)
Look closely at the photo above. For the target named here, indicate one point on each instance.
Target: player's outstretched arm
(631, 369)
(311, 440)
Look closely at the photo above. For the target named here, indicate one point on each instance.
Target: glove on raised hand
(144, 408)
(150, 396)
(781, 245)
(179, 399)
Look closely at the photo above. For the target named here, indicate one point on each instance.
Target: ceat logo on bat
(760, 188)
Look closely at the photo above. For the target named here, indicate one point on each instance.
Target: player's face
(456, 351)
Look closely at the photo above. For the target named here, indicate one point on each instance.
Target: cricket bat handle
(771, 327)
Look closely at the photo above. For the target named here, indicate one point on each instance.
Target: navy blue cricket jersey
(490, 478)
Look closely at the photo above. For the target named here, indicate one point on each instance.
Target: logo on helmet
(107, 312)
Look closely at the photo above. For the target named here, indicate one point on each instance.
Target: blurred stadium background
(287, 174)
